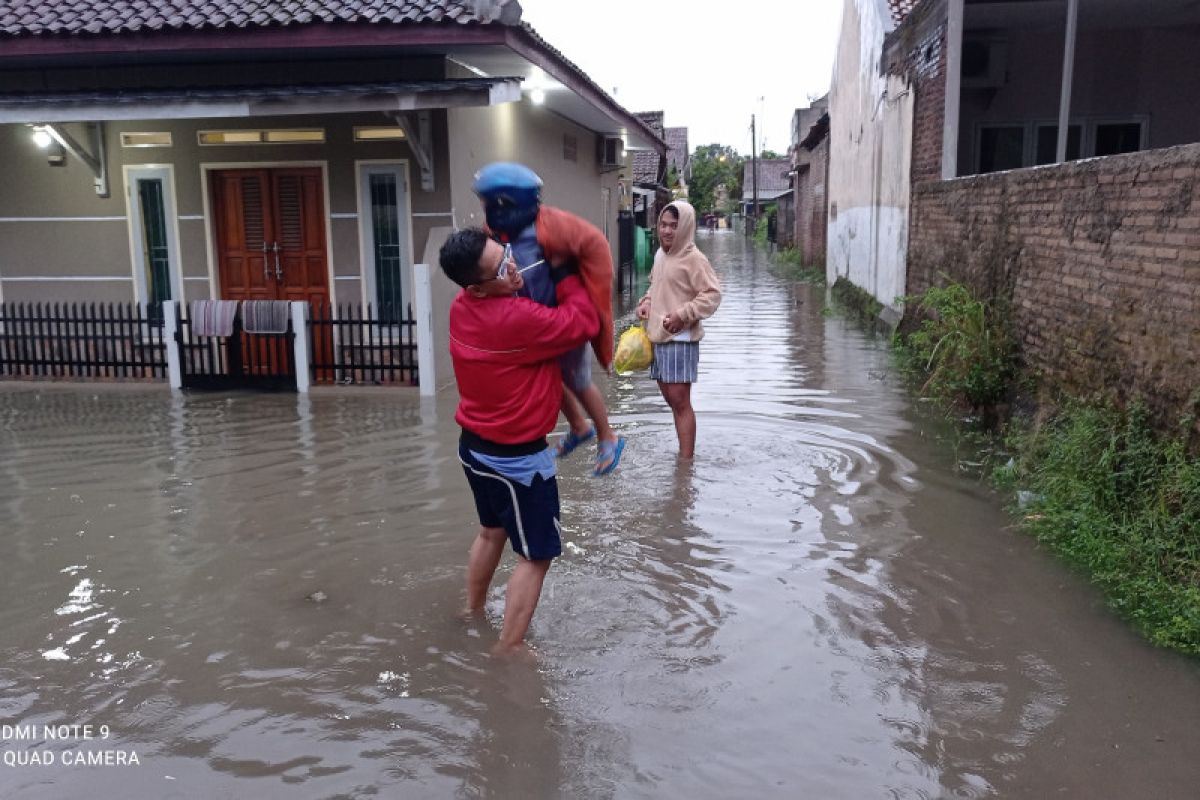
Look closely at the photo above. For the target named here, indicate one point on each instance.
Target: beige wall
(55, 226)
(533, 136)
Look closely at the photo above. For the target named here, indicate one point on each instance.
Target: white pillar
(423, 309)
(299, 311)
(1068, 73)
(170, 310)
(953, 78)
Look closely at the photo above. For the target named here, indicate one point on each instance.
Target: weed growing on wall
(962, 353)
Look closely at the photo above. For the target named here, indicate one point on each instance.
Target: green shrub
(963, 352)
(760, 231)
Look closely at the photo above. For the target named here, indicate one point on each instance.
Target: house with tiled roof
(261, 149)
(1042, 153)
(766, 179)
(679, 157)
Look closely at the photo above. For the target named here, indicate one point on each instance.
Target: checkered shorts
(676, 362)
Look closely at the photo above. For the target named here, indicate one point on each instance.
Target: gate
(263, 361)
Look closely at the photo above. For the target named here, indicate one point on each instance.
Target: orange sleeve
(563, 235)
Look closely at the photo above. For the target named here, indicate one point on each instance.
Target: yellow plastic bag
(634, 351)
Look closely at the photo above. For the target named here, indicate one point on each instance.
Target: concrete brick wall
(1099, 259)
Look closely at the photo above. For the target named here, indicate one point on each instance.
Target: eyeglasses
(502, 270)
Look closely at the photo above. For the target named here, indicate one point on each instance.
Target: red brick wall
(917, 51)
(816, 219)
(1099, 261)
(929, 111)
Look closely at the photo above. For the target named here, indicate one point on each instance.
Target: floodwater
(255, 596)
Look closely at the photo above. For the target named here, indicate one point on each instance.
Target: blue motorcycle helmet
(511, 194)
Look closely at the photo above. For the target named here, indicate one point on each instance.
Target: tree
(713, 165)
(769, 154)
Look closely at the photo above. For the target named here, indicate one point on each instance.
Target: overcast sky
(708, 65)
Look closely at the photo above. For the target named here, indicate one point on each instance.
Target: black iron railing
(238, 361)
(363, 345)
(116, 341)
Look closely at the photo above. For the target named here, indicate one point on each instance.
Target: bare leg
(593, 403)
(524, 589)
(481, 565)
(573, 413)
(679, 398)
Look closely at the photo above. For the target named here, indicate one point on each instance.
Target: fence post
(299, 312)
(423, 292)
(170, 312)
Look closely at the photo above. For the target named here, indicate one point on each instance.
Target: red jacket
(505, 353)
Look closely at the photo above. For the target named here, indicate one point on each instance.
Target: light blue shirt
(522, 469)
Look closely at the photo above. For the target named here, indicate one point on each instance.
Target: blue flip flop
(570, 440)
(608, 455)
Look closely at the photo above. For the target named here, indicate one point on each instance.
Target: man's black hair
(460, 256)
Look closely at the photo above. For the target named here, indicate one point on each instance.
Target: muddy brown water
(255, 595)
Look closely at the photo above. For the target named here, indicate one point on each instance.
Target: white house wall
(871, 123)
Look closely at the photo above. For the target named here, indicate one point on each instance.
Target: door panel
(270, 234)
(270, 243)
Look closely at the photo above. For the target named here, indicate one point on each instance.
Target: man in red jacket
(505, 351)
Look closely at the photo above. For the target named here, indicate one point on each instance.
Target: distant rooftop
(901, 9)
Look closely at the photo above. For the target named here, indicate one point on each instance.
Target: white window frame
(133, 212)
(1087, 135)
(399, 168)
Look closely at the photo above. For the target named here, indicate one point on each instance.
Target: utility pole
(754, 169)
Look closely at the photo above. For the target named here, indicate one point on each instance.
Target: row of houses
(1043, 152)
(277, 151)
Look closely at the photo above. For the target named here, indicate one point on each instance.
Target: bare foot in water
(519, 652)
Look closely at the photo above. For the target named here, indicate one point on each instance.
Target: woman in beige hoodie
(684, 289)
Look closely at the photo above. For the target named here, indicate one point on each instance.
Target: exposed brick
(1100, 261)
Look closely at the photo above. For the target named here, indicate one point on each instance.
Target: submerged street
(257, 595)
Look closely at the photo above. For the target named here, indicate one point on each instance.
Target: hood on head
(685, 232)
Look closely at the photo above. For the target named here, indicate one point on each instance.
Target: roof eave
(536, 52)
(216, 40)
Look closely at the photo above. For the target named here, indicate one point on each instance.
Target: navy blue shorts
(576, 367)
(528, 514)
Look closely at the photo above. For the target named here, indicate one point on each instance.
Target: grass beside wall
(856, 303)
(1099, 485)
(789, 263)
(1121, 501)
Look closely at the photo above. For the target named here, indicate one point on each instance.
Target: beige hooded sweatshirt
(682, 282)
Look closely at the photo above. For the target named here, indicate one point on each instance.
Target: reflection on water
(256, 593)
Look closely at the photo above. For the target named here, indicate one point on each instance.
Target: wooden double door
(270, 243)
(270, 234)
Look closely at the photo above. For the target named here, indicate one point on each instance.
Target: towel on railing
(265, 316)
(212, 317)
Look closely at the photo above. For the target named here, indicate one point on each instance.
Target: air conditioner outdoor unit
(984, 63)
(608, 151)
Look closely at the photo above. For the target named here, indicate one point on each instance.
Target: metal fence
(238, 361)
(127, 341)
(363, 345)
(115, 341)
